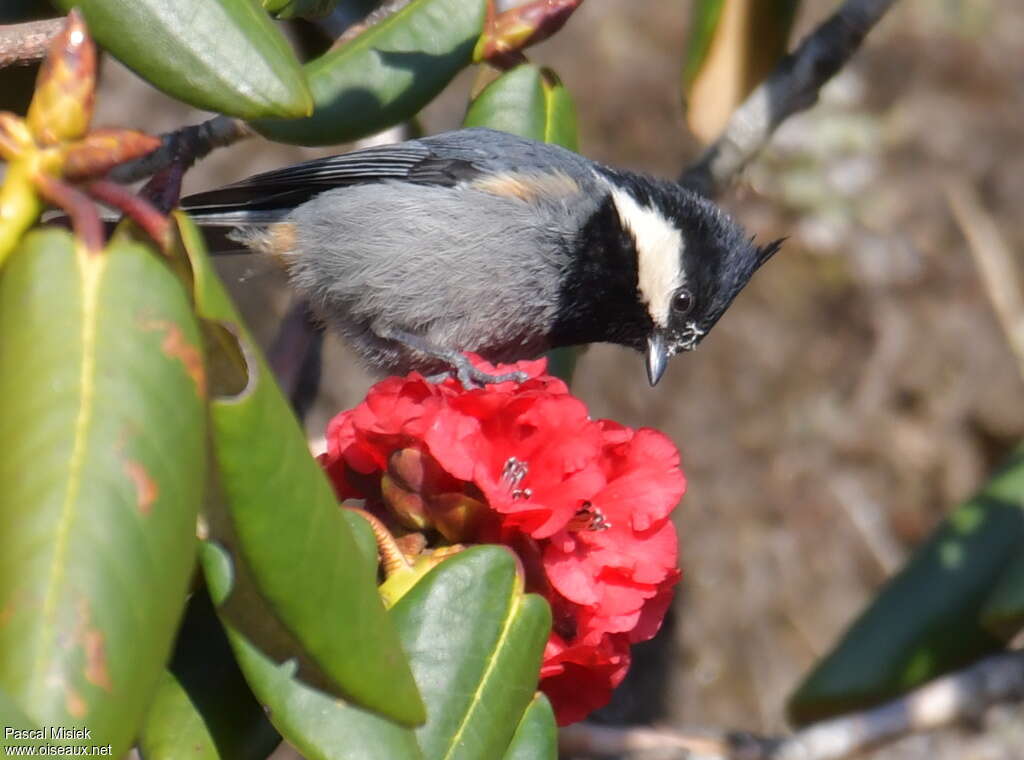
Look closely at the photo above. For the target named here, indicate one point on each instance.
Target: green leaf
(203, 703)
(319, 726)
(11, 714)
(528, 101)
(173, 723)
(703, 23)
(386, 74)
(102, 394)
(531, 102)
(537, 734)
(299, 8)
(218, 55)
(1003, 613)
(280, 520)
(475, 643)
(927, 620)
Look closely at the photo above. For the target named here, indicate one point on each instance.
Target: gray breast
(468, 270)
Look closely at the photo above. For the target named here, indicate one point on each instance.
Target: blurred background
(858, 389)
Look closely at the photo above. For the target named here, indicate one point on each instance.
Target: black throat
(599, 300)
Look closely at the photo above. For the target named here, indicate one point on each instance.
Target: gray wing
(446, 159)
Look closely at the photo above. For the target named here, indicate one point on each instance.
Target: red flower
(584, 503)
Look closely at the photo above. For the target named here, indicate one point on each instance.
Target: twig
(185, 146)
(792, 87)
(995, 262)
(22, 44)
(137, 208)
(956, 698)
(592, 740)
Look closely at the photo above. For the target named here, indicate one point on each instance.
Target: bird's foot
(465, 372)
(473, 377)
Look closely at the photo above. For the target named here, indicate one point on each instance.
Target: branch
(184, 146)
(792, 87)
(956, 698)
(22, 44)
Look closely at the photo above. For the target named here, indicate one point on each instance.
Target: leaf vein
(477, 697)
(92, 268)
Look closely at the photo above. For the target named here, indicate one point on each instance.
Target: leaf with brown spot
(92, 642)
(96, 671)
(74, 703)
(275, 507)
(176, 346)
(145, 487)
(93, 585)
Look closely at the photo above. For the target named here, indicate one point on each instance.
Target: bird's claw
(464, 370)
(472, 377)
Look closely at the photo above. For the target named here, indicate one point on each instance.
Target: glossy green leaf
(318, 725)
(203, 706)
(1003, 613)
(536, 737)
(219, 55)
(102, 392)
(299, 8)
(928, 618)
(385, 75)
(531, 102)
(173, 723)
(528, 101)
(475, 643)
(281, 520)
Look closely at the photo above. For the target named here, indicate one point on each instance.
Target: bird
(477, 240)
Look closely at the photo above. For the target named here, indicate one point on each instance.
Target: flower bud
(408, 507)
(414, 470)
(103, 149)
(457, 516)
(517, 28)
(61, 108)
(15, 137)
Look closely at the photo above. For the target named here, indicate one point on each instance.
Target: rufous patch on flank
(280, 240)
(528, 187)
(176, 346)
(146, 489)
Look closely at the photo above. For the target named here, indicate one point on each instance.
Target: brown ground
(858, 389)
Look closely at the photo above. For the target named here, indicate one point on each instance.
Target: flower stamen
(589, 517)
(514, 471)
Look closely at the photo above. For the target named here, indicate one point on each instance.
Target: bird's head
(692, 260)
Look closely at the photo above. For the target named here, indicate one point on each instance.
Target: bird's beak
(657, 357)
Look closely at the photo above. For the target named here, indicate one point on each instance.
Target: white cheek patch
(659, 246)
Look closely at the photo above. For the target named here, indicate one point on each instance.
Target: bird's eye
(682, 302)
